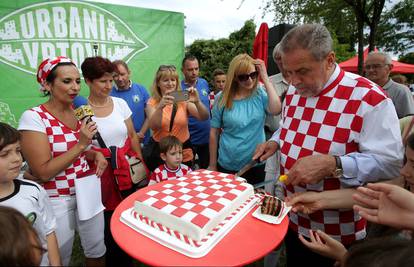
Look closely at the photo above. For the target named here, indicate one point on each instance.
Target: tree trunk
(360, 24)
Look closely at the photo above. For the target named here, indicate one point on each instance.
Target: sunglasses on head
(245, 77)
(166, 67)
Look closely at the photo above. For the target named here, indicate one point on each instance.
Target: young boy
(218, 82)
(26, 196)
(171, 152)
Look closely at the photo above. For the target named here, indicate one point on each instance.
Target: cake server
(247, 167)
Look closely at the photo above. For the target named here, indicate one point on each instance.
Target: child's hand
(324, 245)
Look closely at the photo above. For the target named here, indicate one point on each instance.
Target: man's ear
(391, 66)
(163, 156)
(331, 58)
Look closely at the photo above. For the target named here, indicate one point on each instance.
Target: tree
(396, 30)
(340, 16)
(213, 54)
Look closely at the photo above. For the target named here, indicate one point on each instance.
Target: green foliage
(342, 51)
(214, 54)
(396, 30)
(337, 15)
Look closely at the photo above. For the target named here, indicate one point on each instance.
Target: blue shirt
(136, 97)
(199, 130)
(243, 129)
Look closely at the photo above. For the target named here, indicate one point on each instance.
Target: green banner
(33, 30)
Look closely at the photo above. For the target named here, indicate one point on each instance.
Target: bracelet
(195, 102)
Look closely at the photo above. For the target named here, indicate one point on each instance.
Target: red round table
(250, 240)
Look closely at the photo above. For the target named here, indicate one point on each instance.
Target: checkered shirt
(61, 139)
(163, 173)
(211, 97)
(329, 123)
(197, 198)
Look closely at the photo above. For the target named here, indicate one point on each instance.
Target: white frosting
(186, 186)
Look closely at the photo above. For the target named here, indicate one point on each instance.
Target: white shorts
(91, 231)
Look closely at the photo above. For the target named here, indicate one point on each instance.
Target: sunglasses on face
(166, 67)
(244, 77)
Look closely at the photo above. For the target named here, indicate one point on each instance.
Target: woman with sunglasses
(169, 116)
(240, 112)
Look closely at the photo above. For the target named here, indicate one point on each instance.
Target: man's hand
(306, 202)
(265, 150)
(311, 169)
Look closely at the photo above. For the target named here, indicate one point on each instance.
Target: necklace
(99, 106)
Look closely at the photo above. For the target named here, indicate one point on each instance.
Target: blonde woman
(240, 111)
(161, 119)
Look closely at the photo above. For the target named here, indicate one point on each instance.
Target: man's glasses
(375, 66)
(245, 77)
(166, 67)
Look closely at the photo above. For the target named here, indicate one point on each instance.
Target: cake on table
(194, 205)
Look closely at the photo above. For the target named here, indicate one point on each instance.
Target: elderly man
(378, 66)
(329, 137)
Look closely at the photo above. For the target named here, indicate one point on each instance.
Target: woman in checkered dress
(55, 143)
(240, 112)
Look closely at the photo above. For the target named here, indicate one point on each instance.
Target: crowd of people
(336, 135)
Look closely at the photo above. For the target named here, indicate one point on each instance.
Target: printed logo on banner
(70, 28)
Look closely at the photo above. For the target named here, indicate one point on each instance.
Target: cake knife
(247, 167)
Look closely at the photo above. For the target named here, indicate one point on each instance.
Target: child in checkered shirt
(171, 152)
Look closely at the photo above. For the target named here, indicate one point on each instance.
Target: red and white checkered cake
(194, 204)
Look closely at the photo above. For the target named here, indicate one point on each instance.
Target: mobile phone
(180, 95)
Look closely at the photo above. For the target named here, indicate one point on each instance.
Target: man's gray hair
(276, 51)
(314, 38)
(386, 56)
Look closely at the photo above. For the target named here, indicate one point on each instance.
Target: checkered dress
(329, 123)
(61, 139)
(162, 173)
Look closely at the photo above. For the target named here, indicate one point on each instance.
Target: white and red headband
(47, 66)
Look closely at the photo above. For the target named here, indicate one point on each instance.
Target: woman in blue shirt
(240, 113)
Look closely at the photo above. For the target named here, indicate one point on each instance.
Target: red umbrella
(260, 45)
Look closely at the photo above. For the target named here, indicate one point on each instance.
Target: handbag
(136, 167)
(128, 169)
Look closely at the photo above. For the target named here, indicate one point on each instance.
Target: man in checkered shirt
(338, 130)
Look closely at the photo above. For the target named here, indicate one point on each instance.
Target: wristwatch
(338, 168)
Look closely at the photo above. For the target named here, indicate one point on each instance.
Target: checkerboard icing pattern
(196, 197)
(184, 238)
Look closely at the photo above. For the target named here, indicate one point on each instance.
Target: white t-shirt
(112, 127)
(31, 200)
